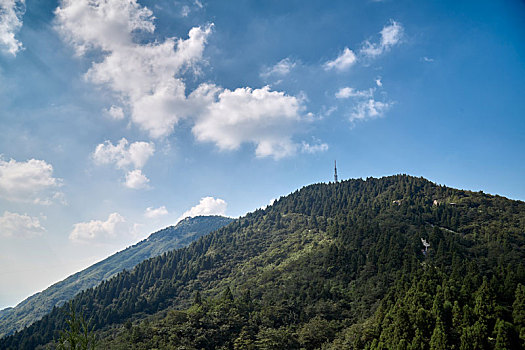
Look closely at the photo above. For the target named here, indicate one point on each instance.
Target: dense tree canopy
(331, 266)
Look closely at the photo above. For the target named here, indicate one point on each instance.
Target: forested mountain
(36, 306)
(332, 266)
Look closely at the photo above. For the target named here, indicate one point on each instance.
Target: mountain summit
(391, 263)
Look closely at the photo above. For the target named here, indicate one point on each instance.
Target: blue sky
(118, 118)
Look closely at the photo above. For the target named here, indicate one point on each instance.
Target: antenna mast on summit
(335, 171)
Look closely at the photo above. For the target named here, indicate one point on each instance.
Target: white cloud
(379, 82)
(280, 69)
(146, 78)
(30, 181)
(124, 154)
(391, 35)
(11, 12)
(344, 61)
(115, 112)
(155, 213)
(262, 117)
(315, 148)
(142, 75)
(13, 224)
(428, 59)
(207, 206)
(97, 229)
(347, 92)
(136, 180)
(369, 109)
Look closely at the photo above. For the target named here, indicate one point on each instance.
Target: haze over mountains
(332, 266)
(173, 237)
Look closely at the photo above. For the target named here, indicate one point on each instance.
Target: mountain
(36, 306)
(333, 266)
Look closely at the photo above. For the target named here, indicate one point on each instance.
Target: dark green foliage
(333, 266)
(77, 335)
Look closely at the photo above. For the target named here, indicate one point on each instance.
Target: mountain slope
(331, 265)
(36, 306)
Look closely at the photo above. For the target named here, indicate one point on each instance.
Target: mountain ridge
(172, 237)
(337, 266)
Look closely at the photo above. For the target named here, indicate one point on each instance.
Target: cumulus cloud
(379, 82)
(20, 225)
(115, 112)
(142, 75)
(262, 117)
(136, 180)
(391, 35)
(31, 181)
(280, 69)
(146, 78)
(98, 229)
(347, 92)
(206, 206)
(124, 154)
(344, 61)
(369, 109)
(11, 12)
(155, 213)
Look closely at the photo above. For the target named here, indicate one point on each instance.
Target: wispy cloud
(343, 62)
(314, 148)
(11, 12)
(347, 92)
(391, 35)
(369, 109)
(280, 69)
(115, 112)
(20, 225)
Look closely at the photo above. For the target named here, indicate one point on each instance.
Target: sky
(119, 117)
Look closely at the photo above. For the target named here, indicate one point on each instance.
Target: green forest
(330, 266)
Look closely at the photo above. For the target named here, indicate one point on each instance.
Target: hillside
(36, 306)
(333, 266)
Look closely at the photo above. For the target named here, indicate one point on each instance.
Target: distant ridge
(36, 306)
